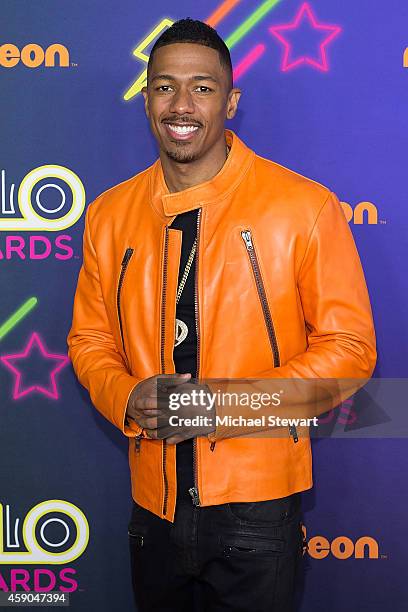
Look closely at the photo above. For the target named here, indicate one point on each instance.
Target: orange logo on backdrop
(33, 56)
(342, 547)
(357, 215)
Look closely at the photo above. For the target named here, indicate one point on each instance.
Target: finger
(156, 422)
(172, 380)
(174, 439)
(152, 403)
(175, 376)
(147, 403)
(157, 434)
(148, 422)
(151, 433)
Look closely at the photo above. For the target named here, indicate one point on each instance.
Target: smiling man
(213, 263)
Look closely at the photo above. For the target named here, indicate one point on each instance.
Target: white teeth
(185, 129)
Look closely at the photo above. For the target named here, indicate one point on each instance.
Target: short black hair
(194, 31)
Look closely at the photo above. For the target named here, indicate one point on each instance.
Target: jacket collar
(231, 174)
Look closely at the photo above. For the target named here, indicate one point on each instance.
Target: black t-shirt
(185, 353)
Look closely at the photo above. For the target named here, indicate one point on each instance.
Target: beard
(181, 156)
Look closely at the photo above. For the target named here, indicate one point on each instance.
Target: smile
(182, 129)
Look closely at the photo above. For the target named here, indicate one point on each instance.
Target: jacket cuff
(128, 426)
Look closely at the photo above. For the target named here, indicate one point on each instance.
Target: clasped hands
(153, 413)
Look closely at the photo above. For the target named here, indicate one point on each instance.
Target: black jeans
(239, 557)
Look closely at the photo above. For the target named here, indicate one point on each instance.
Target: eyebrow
(197, 77)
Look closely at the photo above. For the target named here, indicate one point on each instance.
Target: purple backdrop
(325, 92)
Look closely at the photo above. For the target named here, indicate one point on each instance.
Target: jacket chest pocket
(125, 262)
(249, 243)
(253, 259)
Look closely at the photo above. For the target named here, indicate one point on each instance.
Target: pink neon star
(59, 360)
(305, 14)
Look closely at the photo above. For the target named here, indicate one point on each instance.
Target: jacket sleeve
(337, 312)
(91, 346)
(336, 305)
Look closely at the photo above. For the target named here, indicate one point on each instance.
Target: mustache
(188, 120)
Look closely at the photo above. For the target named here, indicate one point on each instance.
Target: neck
(182, 176)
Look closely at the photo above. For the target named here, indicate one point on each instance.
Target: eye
(204, 89)
(163, 88)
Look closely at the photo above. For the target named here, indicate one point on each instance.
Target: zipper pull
(194, 496)
(127, 256)
(293, 432)
(212, 446)
(246, 235)
(137, 442)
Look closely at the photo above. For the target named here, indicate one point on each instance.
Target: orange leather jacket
(280, 292)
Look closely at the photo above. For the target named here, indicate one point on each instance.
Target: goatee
(182, 157)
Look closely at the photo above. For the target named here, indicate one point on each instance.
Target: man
(213, 263)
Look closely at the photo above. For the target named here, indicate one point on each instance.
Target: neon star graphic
(35, 349)
(326, 32)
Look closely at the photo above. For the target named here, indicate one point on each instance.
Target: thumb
(168, 380)
(179, 379)
(183, 376)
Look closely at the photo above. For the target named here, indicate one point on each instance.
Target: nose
(182, 102)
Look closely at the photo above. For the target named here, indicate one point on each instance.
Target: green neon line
(17, 316)
(250, 22)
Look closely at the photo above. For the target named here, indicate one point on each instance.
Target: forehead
(186, 60)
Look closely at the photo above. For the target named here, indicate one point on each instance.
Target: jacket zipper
(125, 261)
(162, 339)
(194, 490)
(248, 240)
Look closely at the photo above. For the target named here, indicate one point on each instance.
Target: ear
(232, 104)
(146, 100)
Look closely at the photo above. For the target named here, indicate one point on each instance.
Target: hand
(199, 407)
(143, 406)
(153, 414)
